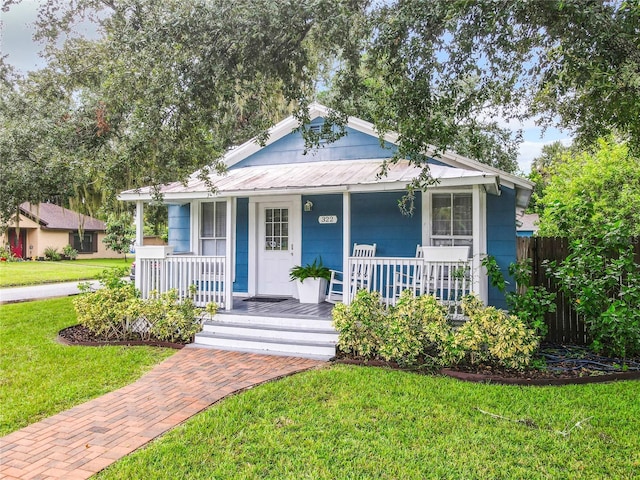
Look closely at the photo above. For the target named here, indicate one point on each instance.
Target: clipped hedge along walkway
(80, 442)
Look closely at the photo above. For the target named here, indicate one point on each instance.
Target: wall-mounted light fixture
(308, 206)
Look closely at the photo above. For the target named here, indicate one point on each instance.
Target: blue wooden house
(277, 207)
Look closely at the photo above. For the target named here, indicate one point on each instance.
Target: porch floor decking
(289, 308)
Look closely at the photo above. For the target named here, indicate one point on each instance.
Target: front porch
(281, 325)
(287, 308)
(208, 278)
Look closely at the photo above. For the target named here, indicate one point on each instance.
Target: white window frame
(432, 238)
(479, 233)
(215, 238)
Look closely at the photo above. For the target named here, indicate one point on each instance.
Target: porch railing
(448, 281)
(182, 271)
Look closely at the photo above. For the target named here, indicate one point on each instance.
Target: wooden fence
(565, 326)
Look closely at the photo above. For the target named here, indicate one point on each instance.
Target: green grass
(40, 377)
(32, 273)
(365, 423)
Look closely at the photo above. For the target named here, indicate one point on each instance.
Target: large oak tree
(170, 86)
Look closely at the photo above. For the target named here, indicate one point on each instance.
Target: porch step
(271, 332)
(292, 322)
(310, 338)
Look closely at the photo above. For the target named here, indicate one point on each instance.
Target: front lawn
(366, 423)
(32, 273)
(39, 377)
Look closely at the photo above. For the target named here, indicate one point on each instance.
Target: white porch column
(346, 244)
(229, 263)
(139, 223)
(479, 203)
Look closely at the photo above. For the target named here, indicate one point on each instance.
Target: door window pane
(276, 229)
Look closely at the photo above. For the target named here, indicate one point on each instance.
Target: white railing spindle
(449, 281)
(182, 271)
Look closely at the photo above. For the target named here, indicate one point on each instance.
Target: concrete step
(306, 348)
(276, 321)
(270, 331)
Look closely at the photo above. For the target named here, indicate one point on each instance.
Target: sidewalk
(80, 442)
(38, 292)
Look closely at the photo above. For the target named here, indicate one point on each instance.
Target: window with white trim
(452, 219)
(213, 228)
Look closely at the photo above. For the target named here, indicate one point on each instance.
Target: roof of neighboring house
(352, 175)
(528, 222)
(253, 177)
(54, 217)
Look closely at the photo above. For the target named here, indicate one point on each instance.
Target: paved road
(37, 292)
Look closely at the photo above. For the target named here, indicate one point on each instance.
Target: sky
(16, 42)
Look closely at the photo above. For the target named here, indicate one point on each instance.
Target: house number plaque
(328, 219)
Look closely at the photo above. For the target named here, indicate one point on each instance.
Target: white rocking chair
(410, 279)
(432, 275)
(358, 277)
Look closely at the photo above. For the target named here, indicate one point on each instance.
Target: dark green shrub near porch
(417, 329)
(116, 312)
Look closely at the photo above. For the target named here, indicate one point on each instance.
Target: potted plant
(312, 281)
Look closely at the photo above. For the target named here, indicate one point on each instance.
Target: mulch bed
(80, 335)
(565, 365)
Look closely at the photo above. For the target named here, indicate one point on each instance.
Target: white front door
(278, 227)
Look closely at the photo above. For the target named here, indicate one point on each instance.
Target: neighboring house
(47, 225)
(277, 207)
(527, 225)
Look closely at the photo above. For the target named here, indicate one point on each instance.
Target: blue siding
(242, 246)
(179, 223)
(289, 149)
(501, 237)
(376, 218)
(322, 240)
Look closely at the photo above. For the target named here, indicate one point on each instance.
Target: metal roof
(343, 175)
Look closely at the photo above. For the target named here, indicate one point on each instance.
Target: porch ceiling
(352, 175)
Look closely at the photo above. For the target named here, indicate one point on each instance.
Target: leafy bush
(360, 324)
(603, 281)
(410, 326)
(6, 255)
(69, 251)
(529, 303)
(313, 270)
(491, 336)
(418, 327)
(110, 312)
(171, 319)
(51, 253)
(116, 311)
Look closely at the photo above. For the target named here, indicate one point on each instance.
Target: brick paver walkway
(79, 442)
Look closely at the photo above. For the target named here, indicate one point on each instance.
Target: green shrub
(51, 253)
(491, 336)
(417, 327)
(602, 280)
(359, 324)
(69, 251)
(171, 319)
(110, 312)
(116, 312)
(410, 326)
(529, 303)
(6, 255)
